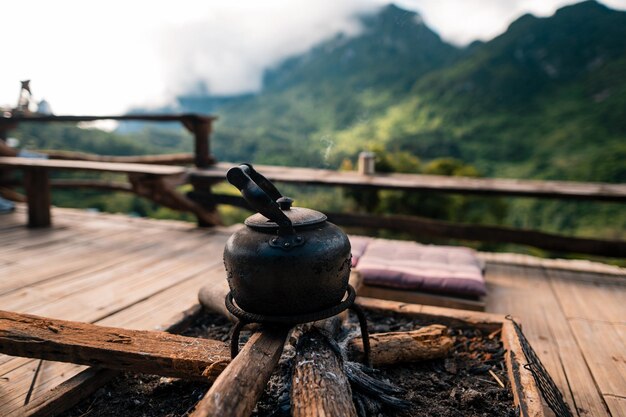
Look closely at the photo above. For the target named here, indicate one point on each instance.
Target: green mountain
(515, 106)
(335, 85)
(546, 99)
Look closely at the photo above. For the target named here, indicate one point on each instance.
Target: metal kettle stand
(244, 318)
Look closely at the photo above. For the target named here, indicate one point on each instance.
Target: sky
(103, 57)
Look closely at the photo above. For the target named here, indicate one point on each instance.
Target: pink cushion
(409, 265)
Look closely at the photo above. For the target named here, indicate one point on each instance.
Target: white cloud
(229, 48)
(102, 56)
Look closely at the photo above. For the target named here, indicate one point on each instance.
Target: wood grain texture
(136, 351)
(525, 393)
(429, 342)
(417, 297)
(240, 385)
(319, 386)
(447, 316)
(525, 292)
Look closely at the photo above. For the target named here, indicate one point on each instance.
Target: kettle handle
(261, 194)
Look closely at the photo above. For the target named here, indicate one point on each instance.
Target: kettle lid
(299, 216)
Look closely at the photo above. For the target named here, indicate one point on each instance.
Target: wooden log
(319, 386)
(212, 296)
(37, 185)
(71, 391)
(525, 393)
(429, 342)
(138, 351)
(236, 391)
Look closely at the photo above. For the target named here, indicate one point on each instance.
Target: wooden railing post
(37, 185)
(202, 148)
(201, 128)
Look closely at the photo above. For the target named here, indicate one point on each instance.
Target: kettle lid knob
(285, 203)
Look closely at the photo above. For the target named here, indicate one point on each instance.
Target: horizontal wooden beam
(166, 159)
(124, 117)
(126, 168)
(71, 391)
(139, 351)
(94, 184)
(439, 183)
(420, 226)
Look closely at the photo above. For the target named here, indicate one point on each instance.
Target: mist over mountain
(546, 99)
(546, 96)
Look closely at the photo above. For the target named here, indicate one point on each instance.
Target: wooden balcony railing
(207, 172)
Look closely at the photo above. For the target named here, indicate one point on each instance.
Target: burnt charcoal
(457, 386)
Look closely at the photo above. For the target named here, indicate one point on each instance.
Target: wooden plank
(175, 117)
(416, 297)
(99, 292)
(63, 396)
(526, 293)
(138, 351)
(421, 226)
(93, 296)
(414, 182)
(83, 295)
(605, 353)
(582, 266)
(596, 301)
(485, 321)
(67, 394)
(32, 247)
(37, 185)
(617, 405)
(126, 168)
(71, 262)
(166, 159)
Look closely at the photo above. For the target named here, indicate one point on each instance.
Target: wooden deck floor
(137, 273)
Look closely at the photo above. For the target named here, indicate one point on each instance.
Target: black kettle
(287, 260)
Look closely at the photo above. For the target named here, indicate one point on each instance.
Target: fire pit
(459, 384)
